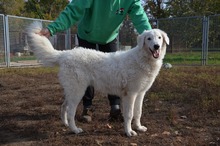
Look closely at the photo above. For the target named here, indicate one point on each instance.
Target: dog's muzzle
(155, 51)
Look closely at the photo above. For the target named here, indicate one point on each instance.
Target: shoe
(115, 116)
(87, 115)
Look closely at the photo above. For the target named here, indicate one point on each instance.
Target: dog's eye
(149, 39)
(159, 37)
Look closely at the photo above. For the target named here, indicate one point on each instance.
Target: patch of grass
(196, 86)
(28, 71)
(192, 58)
(179, 58)
(22, 58)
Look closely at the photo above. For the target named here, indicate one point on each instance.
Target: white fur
(127, 74)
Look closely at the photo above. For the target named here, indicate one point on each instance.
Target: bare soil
(173, 111)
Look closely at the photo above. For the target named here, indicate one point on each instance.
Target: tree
(44, 9)
(179, 8)
(155, 8)
(12, 7)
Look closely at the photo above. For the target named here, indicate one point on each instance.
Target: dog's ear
(165, 37)
(140, 39)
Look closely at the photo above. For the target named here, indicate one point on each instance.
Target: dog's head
(154, 42)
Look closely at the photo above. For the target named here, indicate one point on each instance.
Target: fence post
(205, 32)
(68, 39)
(4, 39)
(7, 42)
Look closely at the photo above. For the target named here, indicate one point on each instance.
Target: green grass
(192, 58)
(17, 59)
(23, 58)
(28, 71)
(182, 58)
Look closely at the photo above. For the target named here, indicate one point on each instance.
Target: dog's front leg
(128, 107)
(138, 112)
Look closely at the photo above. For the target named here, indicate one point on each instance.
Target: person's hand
(45, 32)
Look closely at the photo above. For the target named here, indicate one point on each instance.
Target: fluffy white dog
(127, 74)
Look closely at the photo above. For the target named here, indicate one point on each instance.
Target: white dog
(127, 74)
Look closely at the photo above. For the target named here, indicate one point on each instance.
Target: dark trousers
(89, 94)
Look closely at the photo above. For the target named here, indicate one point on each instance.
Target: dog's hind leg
(72, 104)
(138, 112)
(128, 107)
(64, 113)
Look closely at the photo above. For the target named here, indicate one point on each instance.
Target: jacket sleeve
(139, 17)
(69, 16)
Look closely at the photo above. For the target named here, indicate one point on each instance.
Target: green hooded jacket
(98, 21)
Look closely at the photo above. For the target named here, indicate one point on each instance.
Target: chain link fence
(2, 41)
(193, 40)
(186, 38)
(14, 49)
(213, 55)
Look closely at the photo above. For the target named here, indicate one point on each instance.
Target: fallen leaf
(99, 142)
(179, 139)
(133, 144)
(183, 117)
(166, 133)
(109, 126)
(154, 135)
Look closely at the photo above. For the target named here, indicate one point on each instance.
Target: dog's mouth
(155, 53)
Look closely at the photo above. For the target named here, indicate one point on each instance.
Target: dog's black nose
(156, 47)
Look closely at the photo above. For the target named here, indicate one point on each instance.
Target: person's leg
(115, 112)
(114, 101)
(88, 97)
(110, 47)
(89, 94)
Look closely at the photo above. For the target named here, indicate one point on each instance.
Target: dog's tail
(41, 46)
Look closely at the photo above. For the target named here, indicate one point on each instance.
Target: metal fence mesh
(2, 42)
(214, 40)
(20, 53)
(185, 33)
(186, 40)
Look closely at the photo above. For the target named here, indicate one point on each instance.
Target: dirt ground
(30, 115)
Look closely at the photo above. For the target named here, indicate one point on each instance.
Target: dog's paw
(131, 133)
(142, 128)
(65, 122)
(77, 130)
